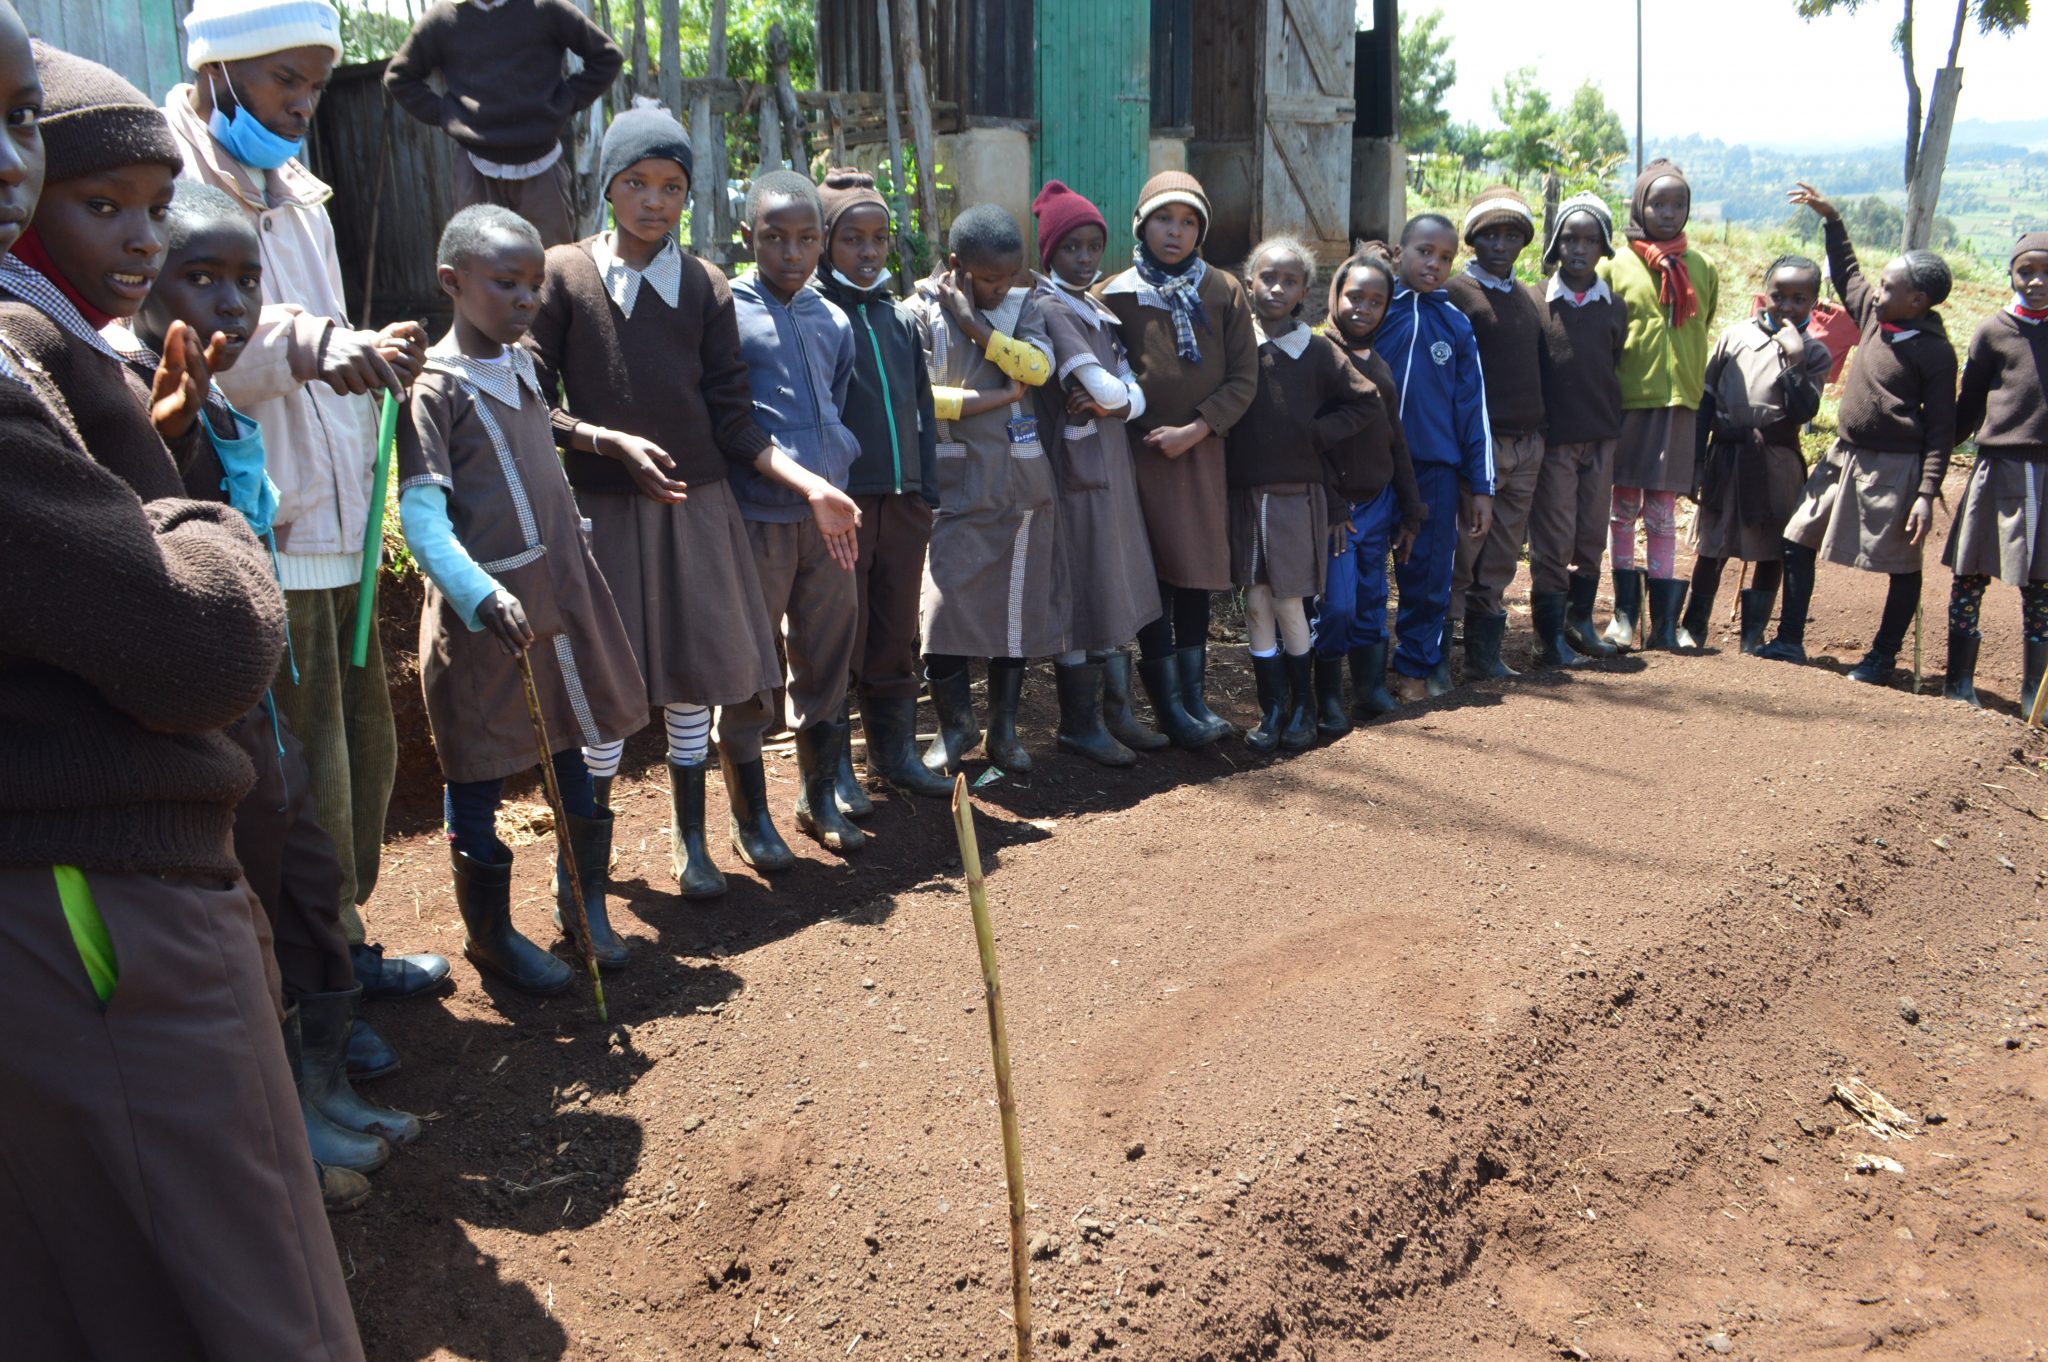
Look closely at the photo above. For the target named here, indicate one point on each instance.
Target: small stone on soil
(1720, 1343)
(1909, 1011)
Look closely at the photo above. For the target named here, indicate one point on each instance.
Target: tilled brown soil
(1503, 1029)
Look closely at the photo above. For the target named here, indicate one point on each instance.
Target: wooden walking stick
(1916, 647)
(2040, 698)
(567, 852)
(999, 1045)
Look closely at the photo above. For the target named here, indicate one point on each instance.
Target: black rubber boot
(396, 976)
(1005, 692)
(1123, 725)
(1578, 617)
(853, 800)
(1697, 623)
(2033, 660)
(1667, 596)
(369, 1054)
(483, 895)
(817, 812)
(1194, 682)
(1370, 698)
(753, 832)
(959, 734)
(332, 1145)
(1081, 727)
(591, 840)
(1483, 636)
(1553, 649)
(1161, 678)
(696, 873)
(323, 1076)
(1332, 719)
(1790, 644)
(1625, 630)
(1756, 616)
(601, 790)
(891, 729)
(1299, 734)
(1876, 668)
(1959, 682)
(1269, 677)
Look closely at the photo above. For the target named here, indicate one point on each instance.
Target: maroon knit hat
(1059, 211)
(845, 189)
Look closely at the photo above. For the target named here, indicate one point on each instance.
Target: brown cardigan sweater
(2001, 402)
(1509, 329)
(1900, 395)
(1302, 408)
(1220, 388)
(1364, 463)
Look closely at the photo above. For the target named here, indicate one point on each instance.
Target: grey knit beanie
(1594, 206)
(640, 132)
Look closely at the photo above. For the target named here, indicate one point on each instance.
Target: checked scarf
(1183, 299)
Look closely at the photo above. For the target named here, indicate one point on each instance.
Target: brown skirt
(683, 579)
(1187, 514)
(1730, 525)
(1655, 450)
(1280, 537)
(2000, 529)
(1111, 585)
(1854, 506)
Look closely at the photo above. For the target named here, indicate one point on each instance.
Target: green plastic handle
(373, 534)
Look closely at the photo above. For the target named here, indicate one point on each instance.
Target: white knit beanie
(236, 30)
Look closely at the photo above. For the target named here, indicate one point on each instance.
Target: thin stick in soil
(568, 854)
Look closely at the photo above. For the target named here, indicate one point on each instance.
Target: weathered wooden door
(1095, 104)
(1301, 169)
(138, 38)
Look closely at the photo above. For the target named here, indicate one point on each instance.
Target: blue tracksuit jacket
(1430, 347)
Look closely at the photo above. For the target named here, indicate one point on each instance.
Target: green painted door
(141, 39)
(1095, 105)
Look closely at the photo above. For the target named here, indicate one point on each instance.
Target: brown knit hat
(2031, 241)
(845, 189)
(1171, 186)
(1495, 205)
(93, 120)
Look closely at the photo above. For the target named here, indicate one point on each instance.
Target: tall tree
(1927, 136)
(1588, 131)
(1529, 124)
(1427, 73)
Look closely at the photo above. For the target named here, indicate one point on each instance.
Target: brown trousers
(810, 602)
(1568, 521)
(157, 1199)
(1479, 581)
(895, 530)
(543, 200)
(289, 861)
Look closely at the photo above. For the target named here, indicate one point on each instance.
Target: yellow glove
(946, 402)
(1019, 360)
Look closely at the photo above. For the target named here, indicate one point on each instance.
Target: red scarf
(1666, 260)
(2032, 314)
(30, 251)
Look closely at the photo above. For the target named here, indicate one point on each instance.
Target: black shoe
(1161, 678)
(696, 873)
(1578, 617)
(1756, 616)
(1194, 681)
(1697, 622)
(1875, 669)
(817, 812)
(1299, 732)
(1553, 649)
(2033, 659)
(1081, 726)
(958, 733)
(1123, 725)
(1332, 719)
(341, 1189)
(332, 1145)
(1269, 677)
(1790, 644)
(753, 832)
(853, 801)
(1667, 596)
(369, 1054)
(591, 840)
(891, 729)
(1483, 637)
(1370, 698)
(1625, 630)
(323, 1057)
(483, 894)
(1439, 683)
(1959, 682)
(1005, 693)
(397, 976)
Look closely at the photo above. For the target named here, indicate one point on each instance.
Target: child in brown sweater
(2000, 531)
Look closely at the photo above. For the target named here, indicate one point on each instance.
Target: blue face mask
(248, 488)
(247, 140)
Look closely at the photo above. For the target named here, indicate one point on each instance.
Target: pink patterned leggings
(1659, 514)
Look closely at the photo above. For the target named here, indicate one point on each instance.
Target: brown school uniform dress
(2001, 529)
(1106, 557)
(992, 574)
(1187, 500)
(658, 356)
(1753, 470)
(481, 430)
(1897, 424)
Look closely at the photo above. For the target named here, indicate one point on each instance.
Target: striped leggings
(689, 741)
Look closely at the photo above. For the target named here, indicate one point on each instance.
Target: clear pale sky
(1718, 68)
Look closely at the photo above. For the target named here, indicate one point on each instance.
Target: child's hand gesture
(353, 362)
(954, 293)
(1404, 544)
(1174, 441)
(1920, 519)
(505, 618)
(404, 347)
(838, 518)
(647, 462)
(1807, 196)
(1478, 514)
(183, 376)
(1791, 343)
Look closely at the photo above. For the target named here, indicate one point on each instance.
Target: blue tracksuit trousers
(1352, 611)
(1425, 579)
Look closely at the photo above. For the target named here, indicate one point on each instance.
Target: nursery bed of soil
(1506, 1028)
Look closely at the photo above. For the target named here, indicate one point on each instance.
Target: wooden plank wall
(978, 54)
(141, 39)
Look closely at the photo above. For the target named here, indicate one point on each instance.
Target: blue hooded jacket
(800, 359)
(1429, 346)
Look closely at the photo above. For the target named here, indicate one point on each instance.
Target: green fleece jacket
(1662, 367)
